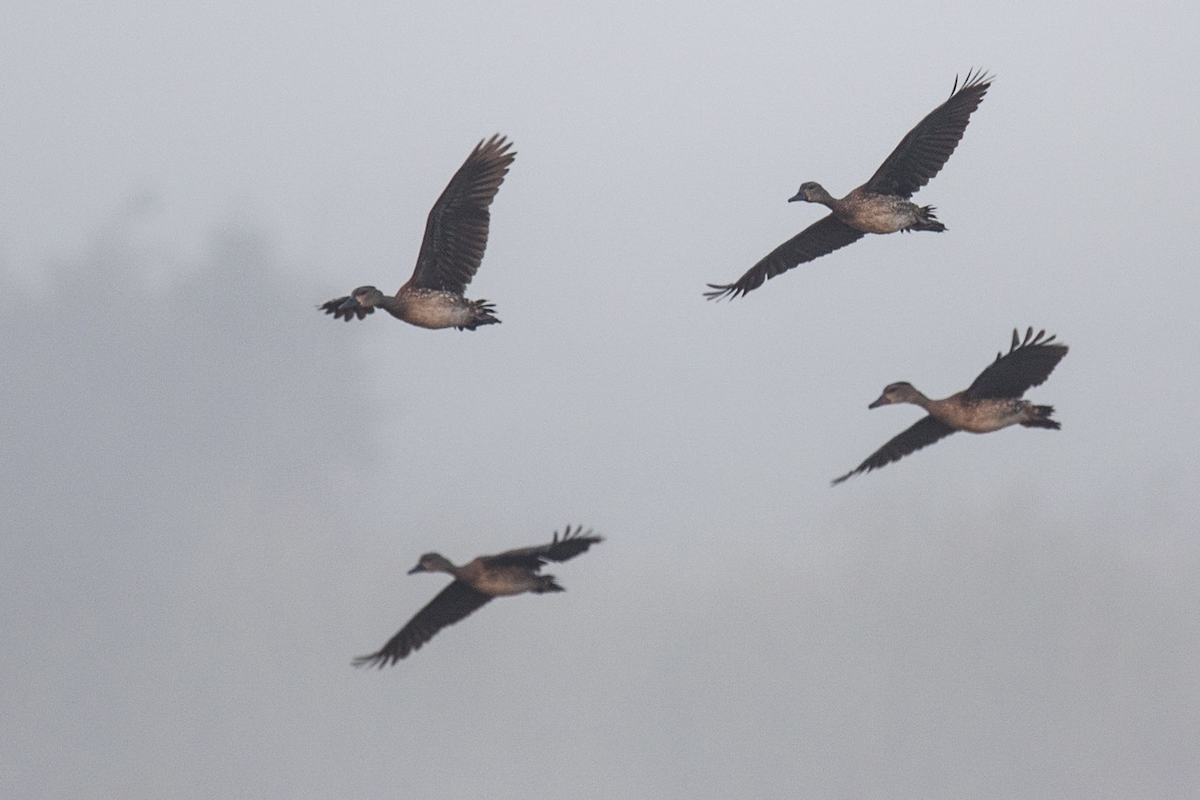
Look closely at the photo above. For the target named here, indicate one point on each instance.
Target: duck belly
(985, 416)
(431, 309)
(504, 581)
(883, 215)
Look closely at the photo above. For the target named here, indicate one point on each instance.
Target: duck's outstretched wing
(456, 232)
(822, 237)
(346, 308)
(1027, 364)
(449, 606)
(561, 548)
(923, 152)
(926, 431)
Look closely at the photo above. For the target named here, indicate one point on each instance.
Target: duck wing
(348, 313)
(926, 431)
(563, 548)
(450, 605)
(1027, 364)
(923, 152)
(821, 238)
(456, 231)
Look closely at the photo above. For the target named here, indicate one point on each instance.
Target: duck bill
(416, 569)
(797, 197)
(882, 401)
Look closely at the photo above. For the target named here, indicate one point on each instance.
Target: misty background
(210, 492)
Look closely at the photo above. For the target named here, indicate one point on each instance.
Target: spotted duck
(881, 205)
(475, 583)
(455, 237)
(992, 402)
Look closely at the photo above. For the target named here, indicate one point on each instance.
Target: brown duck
(475, 583)
(882, 204)
(455, 238)
(992, 402)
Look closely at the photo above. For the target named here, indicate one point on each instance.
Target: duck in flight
(475, 583)
(992, 402)
(882, 204)
(456, 235)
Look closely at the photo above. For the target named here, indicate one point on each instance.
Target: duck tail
(1040, 418)
(545, 583)
(482, 313)
(926, 221)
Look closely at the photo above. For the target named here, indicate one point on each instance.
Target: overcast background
(210, 492)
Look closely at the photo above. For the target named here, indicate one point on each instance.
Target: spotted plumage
(475, 583)
(881, 205)
(992, 401)
(456, 234)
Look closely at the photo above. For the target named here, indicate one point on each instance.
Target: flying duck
(882, 204)
(992, 402)
(475, 583)
(455, 237)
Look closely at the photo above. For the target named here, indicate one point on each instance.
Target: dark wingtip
(345, 308)
(579, 533)
(378, 660)
(1031, 340)
(588, 537)
(721, 291)
(974, 78)
(500, 143)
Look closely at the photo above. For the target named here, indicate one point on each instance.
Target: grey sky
(210, 491)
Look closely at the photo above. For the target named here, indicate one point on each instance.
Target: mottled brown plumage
(880, 205)
(475, 583)
(456, 234)
(992, 401)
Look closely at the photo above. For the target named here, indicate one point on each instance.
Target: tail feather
(1041, 418)
(928, 222)
(482, 313)
(546, 584)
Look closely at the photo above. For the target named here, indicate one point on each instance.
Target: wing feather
(563, 548)
(1028, 363)
(456, 231)
(822, 237)
(925, 149)
(450, 605)
(925, 432)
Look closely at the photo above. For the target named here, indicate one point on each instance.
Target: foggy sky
(211, 491)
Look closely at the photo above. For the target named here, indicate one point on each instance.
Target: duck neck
(917, 398)
(392, 304)
(818, 194)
